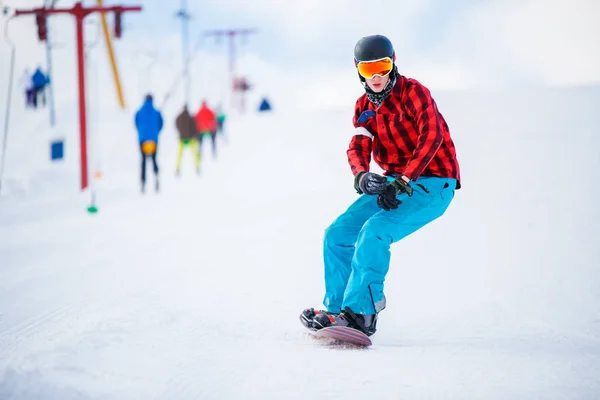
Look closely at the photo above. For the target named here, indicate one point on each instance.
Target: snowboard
(339, 335)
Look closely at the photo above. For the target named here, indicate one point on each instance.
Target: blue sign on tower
(57, 150)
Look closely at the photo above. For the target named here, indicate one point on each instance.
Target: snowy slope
(194, 292)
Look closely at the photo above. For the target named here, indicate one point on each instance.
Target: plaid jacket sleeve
(359, 150)
(423, 109)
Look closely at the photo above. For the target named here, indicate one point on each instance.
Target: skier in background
(149, 123)
(221, 117)
(25, 83)
(206, 125)
(186, 126)
(39, 82)
(397, 122)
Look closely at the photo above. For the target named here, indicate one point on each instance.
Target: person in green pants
(186, 126)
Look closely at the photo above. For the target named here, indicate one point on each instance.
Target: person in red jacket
(206, 124)
(398, 124)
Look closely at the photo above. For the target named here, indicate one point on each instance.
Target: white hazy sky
(468, 43)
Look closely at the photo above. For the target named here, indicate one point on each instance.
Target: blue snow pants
(356, 247)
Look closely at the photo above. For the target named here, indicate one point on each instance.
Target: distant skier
(39, 81)
(26, 85)
(149, 123)
(206, 125)
(221, 117)
(264, 105)
(398, 123)
(186, 126)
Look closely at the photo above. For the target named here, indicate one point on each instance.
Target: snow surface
(195, 292)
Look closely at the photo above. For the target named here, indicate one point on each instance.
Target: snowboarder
(149, 123)
(397, 122)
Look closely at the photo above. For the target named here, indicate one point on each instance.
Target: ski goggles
(381, 67)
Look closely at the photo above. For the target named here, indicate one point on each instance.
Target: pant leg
(29, 95)
(222, 132)
(199, 140)
(338, 248)
(371, 260)
(196, 154)
(213, 138)
(34, 97)
(180, 155)
(143, 165)
(154, 161)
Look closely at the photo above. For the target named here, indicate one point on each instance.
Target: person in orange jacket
(206, 124)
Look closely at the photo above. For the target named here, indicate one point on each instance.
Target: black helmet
(373, 47)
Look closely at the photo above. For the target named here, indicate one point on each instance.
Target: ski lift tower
(79, 12)
(235, 85)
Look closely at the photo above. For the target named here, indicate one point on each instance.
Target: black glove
(401, 186)
(369, 183)
(388, 200)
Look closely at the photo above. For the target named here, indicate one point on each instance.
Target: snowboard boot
(326, 320)
(364, 323)
(309, 314)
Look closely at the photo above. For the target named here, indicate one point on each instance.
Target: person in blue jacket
(149, 123)
(39, 81)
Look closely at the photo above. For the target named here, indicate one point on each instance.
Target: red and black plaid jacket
(407, 134)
